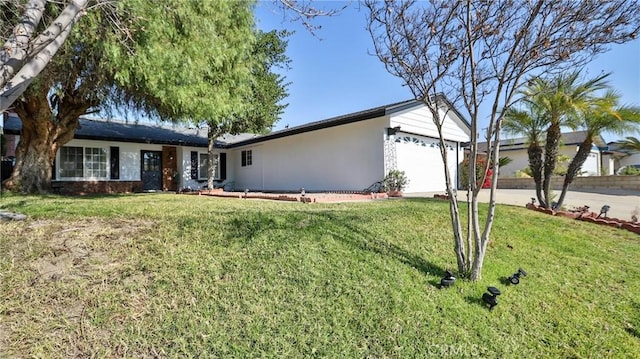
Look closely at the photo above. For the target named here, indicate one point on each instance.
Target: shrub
(464, 173)
(395, 180)
(629, 171)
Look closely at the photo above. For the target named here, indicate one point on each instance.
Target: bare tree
(305, 11)
(477, 53)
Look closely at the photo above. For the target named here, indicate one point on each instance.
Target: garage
(419, 157)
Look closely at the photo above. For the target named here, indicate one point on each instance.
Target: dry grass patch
(56, 275)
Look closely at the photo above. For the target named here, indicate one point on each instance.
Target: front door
(151, 171)
(169, 169)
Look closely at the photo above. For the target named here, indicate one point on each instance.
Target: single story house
(516, 150)
(344, 153)
(616, 158)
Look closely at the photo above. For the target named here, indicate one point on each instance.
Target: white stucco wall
(419, 121)
(345, 157)
(350, 156)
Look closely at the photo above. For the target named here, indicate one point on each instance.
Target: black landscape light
(302, 192)
(246, 191)
(491, 298)
(604, 210)
(533, 200)
(515, 277)
(447, 280)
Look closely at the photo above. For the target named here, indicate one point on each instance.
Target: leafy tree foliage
(177, 60)
(631, 144)
(569, 102)
(604, 115)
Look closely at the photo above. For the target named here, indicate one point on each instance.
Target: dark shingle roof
(91, 129)
(568, 138)
(104, 130)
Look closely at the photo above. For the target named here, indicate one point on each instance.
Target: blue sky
(335, 74)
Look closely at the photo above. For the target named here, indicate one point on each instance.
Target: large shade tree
(263, 104)
(34, 30)
(183, 61)
(477, 53)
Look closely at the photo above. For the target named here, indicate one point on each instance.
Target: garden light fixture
(515, 277)
(447, 280)
(302, 192)
(246, 191)
(604, 210)
(491, 298)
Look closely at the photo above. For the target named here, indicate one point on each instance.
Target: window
(71, 164)
(247, 158)
(203, 164)
(95, 160)
(79, 162)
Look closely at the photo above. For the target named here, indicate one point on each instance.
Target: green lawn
(160, 275)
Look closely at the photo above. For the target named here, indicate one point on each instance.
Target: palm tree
(630, 144)
(560, 101)
(604, 114)
(531, 123)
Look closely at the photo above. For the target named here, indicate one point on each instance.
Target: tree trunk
(41, 137)
(212, 134)
(454, 212)
(535, 163)
(550, 161)
(574, 167)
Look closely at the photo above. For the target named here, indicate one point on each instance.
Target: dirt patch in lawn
(52, 273)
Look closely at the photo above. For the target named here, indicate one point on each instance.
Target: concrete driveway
(622, 203)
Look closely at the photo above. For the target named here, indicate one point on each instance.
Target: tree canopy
(178, 60)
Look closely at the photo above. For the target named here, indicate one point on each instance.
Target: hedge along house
(345, 153)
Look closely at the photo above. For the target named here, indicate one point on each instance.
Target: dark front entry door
(169, 169)
(151, 172)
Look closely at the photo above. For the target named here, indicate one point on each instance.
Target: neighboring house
(516, 149)
(345, 153)
(616, 158)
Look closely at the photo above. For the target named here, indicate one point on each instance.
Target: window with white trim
(247, 158)
(203, 166)
(83, 162)
(71, 164)
(95, 160)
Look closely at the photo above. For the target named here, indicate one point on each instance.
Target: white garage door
(419, 157)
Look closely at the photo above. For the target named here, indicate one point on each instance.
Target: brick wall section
(631, 183)
(91, 187)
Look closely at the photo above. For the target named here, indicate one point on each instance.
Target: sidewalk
(621, 202)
